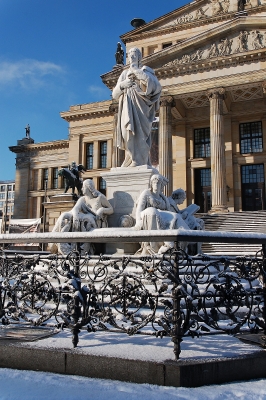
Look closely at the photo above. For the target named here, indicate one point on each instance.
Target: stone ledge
(186, 373)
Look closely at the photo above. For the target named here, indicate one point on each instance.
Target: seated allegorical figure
(153, 213)
(178, 197)
(90, 211)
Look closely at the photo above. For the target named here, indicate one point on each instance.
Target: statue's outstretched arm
(106, 208)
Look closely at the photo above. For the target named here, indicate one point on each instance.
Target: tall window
(251, 137)
(252, 173)
(202, 143)
(44, 178)
(89, 156)
(55, 178)
(3, 188)
(103, 154)
(9, 187)
(102, 186)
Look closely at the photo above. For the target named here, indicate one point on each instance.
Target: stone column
(218, 165)
(165, 142)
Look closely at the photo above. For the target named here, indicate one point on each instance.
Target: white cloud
(98, 91)
(27, 73)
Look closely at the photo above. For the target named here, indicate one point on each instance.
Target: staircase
(247, 221)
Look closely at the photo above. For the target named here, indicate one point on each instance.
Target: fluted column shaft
(118, 155)
(165, 142)
(218, 165)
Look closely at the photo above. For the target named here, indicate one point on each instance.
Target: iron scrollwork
(172, 295)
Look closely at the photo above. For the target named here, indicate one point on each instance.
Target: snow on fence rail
(130, 236)
(172, 294)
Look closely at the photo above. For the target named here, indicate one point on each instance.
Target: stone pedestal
(124, 186)
(55, 207)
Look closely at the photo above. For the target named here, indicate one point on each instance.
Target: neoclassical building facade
(210, 133)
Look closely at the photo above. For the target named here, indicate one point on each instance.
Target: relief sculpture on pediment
(211, 9)
(225, 46)
(214, 8)
(200, 13)
(257, 40)
(241, 42)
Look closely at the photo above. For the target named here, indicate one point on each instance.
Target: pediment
(240, 36)
(242, 39)
(201, 10)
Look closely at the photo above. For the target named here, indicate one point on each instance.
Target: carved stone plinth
(124, 186)
(55, 207)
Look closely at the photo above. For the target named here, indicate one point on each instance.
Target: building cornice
(87, 111)
(57, 144)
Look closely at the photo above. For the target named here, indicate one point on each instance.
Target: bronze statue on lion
(72, 177)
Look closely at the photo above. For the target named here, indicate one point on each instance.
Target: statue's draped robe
(137, 107)
(154, 214)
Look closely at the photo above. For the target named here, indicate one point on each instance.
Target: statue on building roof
(138, 91)
(27, 128)
(119, 55)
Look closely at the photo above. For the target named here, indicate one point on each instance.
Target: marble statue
(138, 91)
(153, 213)
(178, 197)
(90, 211)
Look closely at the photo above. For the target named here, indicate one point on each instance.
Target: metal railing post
(264, 285)
(177, 332)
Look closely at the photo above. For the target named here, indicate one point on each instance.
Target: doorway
(203, 196)
(253, 187)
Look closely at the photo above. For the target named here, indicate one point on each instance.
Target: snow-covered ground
(28, 385)
(142, 347)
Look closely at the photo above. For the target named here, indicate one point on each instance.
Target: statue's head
(135, 56)
(179, 196)
(88, 186)
(126, 221)
(74, 164)
(156, 183)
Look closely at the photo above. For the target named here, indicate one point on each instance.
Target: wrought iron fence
(169, 295)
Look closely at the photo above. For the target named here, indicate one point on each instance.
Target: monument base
(124, 186)
(55, 207)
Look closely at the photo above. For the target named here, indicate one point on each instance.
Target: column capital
(167, 101)
(216, 93)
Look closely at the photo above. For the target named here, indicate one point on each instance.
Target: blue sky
(52, 55)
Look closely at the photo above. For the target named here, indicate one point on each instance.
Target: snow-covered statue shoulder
(153, 212)
(138, 91)
(90, 211)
